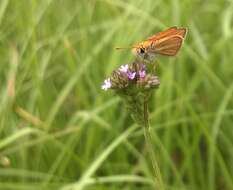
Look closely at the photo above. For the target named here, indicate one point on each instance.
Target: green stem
(157, 173)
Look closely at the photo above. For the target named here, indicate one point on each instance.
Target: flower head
(107, 84)
(131, 79)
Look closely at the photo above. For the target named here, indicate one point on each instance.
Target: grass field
(59, 130)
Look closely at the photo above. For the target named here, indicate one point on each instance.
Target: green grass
(59, 130)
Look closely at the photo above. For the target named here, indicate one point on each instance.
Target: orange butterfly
(165, 43)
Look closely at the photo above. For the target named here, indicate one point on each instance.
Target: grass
(59, 130)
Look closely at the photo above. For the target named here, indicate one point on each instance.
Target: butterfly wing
(168, 42)
(170, 31)
(162, 34)
(168, 47)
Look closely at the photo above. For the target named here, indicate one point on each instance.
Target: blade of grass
(98, 161)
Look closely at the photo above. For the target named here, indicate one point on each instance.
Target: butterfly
(165, 43)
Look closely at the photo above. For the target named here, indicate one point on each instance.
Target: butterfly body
(165, 43)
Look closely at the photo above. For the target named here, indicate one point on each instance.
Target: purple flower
(107, 84)
(124, 68)
(131, 75)
(142, 73)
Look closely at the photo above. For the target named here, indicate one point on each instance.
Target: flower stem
(157, 173)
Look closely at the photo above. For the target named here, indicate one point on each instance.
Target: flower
(124, 68)
(142, 73)
(107, 84)
(131, 75)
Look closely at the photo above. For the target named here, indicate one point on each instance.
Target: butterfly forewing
(171, 31)
(162, 34)
(168, 47)
(168, 42)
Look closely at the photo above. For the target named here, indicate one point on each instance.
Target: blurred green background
(59, 130)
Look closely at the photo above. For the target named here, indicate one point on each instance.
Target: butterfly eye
(142, 50)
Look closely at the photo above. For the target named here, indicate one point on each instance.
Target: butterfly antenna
(122, 48)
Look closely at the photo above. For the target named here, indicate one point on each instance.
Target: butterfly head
(139, 51)
(142, 53)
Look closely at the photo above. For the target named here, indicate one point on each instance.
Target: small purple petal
(143, 67)
(142, 73)
(131, 75)
(107, 84)
(124, 68)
